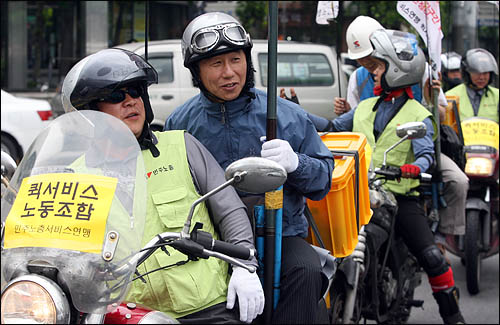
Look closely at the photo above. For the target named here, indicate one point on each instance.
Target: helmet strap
(147, 140)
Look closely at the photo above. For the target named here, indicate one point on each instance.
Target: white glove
(281, 152)
(250, 294)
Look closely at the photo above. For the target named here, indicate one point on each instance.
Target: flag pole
(273, 199)
(435, 99)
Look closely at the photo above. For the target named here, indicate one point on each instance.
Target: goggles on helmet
(118, 95)
(209, 38)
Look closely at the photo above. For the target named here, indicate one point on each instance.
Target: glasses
(208, 38)
(119, 95)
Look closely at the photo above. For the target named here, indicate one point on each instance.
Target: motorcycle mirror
(262, 175)
(8, 165)
(414, 130)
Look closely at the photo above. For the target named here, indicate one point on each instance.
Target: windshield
(77, 203)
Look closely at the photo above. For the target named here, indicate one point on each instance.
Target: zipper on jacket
(223, 111)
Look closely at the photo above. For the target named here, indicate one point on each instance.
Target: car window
(164, 67)
(294, 69)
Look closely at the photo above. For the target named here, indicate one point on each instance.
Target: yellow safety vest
(363, 121)
(185, 289)
(487, 108)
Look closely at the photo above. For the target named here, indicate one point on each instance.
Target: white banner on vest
(327, 10)
(425, 17)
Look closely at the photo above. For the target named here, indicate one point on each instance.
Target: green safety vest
(363, 122)
(487, 108)
(196, 285)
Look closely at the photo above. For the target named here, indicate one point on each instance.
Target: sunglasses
(119, 95)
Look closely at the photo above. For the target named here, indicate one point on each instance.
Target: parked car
(310, 68)
(22, 120)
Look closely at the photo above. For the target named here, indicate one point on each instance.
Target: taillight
(44, 115)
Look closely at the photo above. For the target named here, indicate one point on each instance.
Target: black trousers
(217, 314)
(301, 288)
(301, 285)
(412, 226)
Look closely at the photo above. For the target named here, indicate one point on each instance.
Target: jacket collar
(240, 104)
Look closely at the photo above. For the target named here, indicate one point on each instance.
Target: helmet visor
(207, 39)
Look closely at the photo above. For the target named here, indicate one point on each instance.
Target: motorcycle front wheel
(472, 251)
(338, 296)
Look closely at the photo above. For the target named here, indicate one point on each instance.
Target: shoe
(448, 306)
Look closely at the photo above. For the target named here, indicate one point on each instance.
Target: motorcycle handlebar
(206, 240)
(203, 246)
(392, 173)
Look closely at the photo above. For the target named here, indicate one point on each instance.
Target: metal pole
(146, 30)
(271, 126)
(272, 59)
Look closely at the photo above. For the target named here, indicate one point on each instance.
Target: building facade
(41, 40)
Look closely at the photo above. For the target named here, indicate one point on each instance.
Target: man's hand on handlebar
(410, 171)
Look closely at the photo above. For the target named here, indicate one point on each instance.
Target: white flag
(327, 10)
(425, 17)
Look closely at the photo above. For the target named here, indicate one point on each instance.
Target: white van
(309, 68)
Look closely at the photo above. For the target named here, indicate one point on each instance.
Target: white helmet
(450, 61)
(358, 36)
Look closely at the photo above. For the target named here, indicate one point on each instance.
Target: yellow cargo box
(335, 215)
(451, 112)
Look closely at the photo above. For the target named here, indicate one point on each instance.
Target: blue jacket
(232, 130)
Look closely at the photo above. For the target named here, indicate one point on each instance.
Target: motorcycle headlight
(479, 166)
(32, 299)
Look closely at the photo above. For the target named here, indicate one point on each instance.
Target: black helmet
(212, 34)
(96, 76)
(478, 61)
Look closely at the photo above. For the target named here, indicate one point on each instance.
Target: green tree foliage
(253, 16)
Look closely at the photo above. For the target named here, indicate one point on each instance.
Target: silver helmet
(479, 61)
(404, 60)
(212, 34)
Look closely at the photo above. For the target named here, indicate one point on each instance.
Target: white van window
(164, 67)
(294, 69)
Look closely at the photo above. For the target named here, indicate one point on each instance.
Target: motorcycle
(378, 280)
(481, 239)
(73, 216)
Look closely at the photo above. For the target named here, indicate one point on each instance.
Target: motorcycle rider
(229, 118)
(456, 183)
(377, 118)
(477, 96)
(450, 70)
(179, 170)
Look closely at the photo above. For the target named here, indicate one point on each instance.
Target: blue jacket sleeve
(424, 148)
(313, 176)
(344, 122)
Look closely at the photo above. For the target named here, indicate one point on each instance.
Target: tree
(253, 15)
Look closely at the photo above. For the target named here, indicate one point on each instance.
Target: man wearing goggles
(229, 118)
